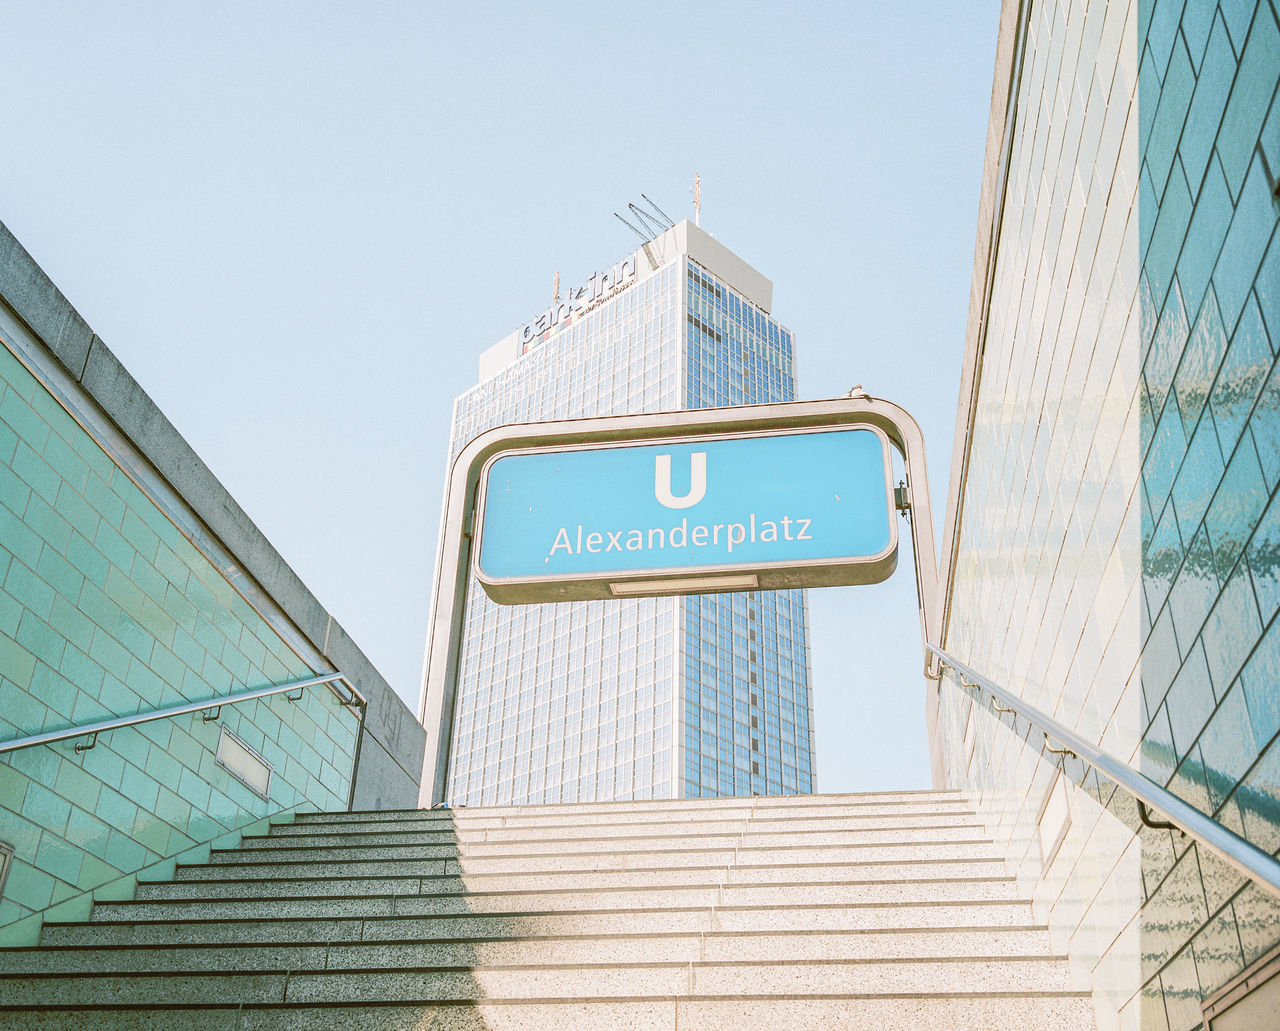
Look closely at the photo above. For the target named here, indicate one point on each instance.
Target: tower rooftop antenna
(631, 227)
(644, 238)
(654, 227)
(697, 200)
(665, 217)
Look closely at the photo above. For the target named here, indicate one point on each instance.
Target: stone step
(230, 869)
(495, 830)
(707, 808)
(716, 866)
(836, 888)
(339, 902)
(331, 853)
(715, 947)
(871, 798)
(596, 813)
(978, 849)
(747, 839)
(1007, 1012)
(696, 809)
(786, 978)
(515, 843)
(671, 851)
(336, 927)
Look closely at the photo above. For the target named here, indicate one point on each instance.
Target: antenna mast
(697, 199)
(652, 225)
(665, 217)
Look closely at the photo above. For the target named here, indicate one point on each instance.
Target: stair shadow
(437, 934)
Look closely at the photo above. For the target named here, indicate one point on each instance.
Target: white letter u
(697, 481)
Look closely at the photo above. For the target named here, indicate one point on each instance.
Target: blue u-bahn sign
(687, 515)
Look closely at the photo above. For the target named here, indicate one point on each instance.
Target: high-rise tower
(653, 698)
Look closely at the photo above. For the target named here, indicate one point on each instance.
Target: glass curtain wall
(573, 702)
(747, 708)
(655, 698)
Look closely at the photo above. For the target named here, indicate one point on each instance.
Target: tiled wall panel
(107, 609)
(1117, 563)
(1209, 420)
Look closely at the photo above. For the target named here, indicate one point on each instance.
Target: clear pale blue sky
(298, 225)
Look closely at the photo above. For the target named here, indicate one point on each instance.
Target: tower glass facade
(746, 677)
(651, 698)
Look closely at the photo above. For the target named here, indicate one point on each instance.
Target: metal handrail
(1243, 855)
(91, 730)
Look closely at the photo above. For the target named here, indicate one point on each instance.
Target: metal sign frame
(772, 575)
(453, 560)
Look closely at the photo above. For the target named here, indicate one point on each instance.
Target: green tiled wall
(1210, 440)
(1118, 558)
(107, 609)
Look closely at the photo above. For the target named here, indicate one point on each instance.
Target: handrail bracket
(1144, 814)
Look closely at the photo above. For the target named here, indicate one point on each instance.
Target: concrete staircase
(881, 912)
